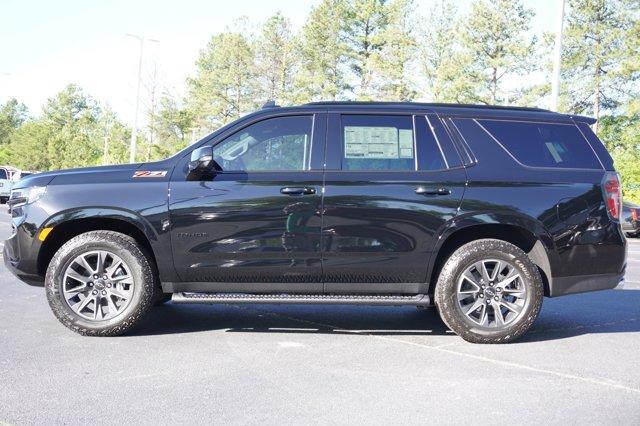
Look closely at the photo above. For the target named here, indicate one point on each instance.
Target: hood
(45, 178)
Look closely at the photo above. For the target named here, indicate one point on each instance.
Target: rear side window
(543, 144)
(378, 142)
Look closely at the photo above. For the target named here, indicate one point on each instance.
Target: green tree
(495, 36)
(593, 48)
(224, 85)
(72, 118)
(276, 59)
(173, 125)
(12, 115)
(324, 54)
(443, 62)
(393, 64)
(364, 30)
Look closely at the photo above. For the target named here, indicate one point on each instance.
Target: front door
(392, 183)
(254, 226)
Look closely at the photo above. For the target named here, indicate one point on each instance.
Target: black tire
(446, 291)
(128, 250)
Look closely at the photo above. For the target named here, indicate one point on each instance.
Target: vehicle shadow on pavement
(612, 311)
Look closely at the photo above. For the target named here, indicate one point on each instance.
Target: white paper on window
(377, 142)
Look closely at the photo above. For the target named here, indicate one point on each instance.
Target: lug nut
(95, 276)
(488, 301)
(499, 289)
(108, 285)
(483, 286)
(481, 295)
(90, 284)
(104, 292)
(94, 292)
(496, 298)
(104, 277)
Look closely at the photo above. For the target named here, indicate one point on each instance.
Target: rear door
(392, 183)
(255, 225)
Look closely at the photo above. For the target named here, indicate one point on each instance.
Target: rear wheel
(100, 283)
(489, 291)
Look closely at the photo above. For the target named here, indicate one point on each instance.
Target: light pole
(134, 131)
(557, 57)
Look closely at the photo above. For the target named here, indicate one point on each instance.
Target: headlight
(23, 196)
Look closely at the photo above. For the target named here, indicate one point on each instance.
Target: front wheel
(100, 283)
(489, 291)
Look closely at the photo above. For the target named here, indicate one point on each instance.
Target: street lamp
(134, 132)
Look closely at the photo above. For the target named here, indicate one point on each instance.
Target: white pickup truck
(6, 175)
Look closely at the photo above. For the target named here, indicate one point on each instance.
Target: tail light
(634, 214)
(612, 192)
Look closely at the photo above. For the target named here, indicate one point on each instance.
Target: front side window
(543, 144)
(275, 144)
(377, 142)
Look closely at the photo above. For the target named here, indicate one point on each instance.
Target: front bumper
(13, 265)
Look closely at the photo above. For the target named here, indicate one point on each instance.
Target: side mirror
(202, 160)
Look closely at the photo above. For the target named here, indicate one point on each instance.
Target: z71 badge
(149, 174)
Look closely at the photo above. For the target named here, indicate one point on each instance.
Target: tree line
(486, 53)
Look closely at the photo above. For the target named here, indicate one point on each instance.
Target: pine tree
(495, 36)
(593, 50)
(224, 85)
(324, 54)
(442, 61)
(276, 59)
(393, 64)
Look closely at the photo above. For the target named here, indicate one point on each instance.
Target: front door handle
(297, 191)
(422, 190)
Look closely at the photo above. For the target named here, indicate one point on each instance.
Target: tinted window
(450, 152)
(543, 144)
(429, 151)
(281, 143)
(377, 142)
(3, 174)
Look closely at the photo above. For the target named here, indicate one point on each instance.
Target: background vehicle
(478, 210)
(630, 219)
(6, 173)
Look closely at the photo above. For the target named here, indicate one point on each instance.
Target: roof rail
(425, 104)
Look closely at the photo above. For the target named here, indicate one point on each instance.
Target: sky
(45, 45)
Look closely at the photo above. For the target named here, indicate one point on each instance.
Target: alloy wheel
(98, 285)
(491, 293)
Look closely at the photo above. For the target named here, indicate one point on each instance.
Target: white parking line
(610, 384)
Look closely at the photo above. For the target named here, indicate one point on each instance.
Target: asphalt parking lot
(321, 365)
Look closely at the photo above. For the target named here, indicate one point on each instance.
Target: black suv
(480, 211)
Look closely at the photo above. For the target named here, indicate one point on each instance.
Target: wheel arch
(69, 224)
(536, 246)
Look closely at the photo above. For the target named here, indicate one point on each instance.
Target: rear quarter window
(3, 174)
(538, 144)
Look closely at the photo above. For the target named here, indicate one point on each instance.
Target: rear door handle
(297, 191)
(422, 190)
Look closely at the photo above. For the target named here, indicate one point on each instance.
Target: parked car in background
(6, 175)
(630, 219)
(478, 210)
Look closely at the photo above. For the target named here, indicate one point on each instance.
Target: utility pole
(134, 131)
(557, 57)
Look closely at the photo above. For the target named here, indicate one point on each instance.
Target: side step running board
(326, 299)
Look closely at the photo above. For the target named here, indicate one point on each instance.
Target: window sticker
(405, 142)
(377, 142)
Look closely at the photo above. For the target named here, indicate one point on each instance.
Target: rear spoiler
(584, 119)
